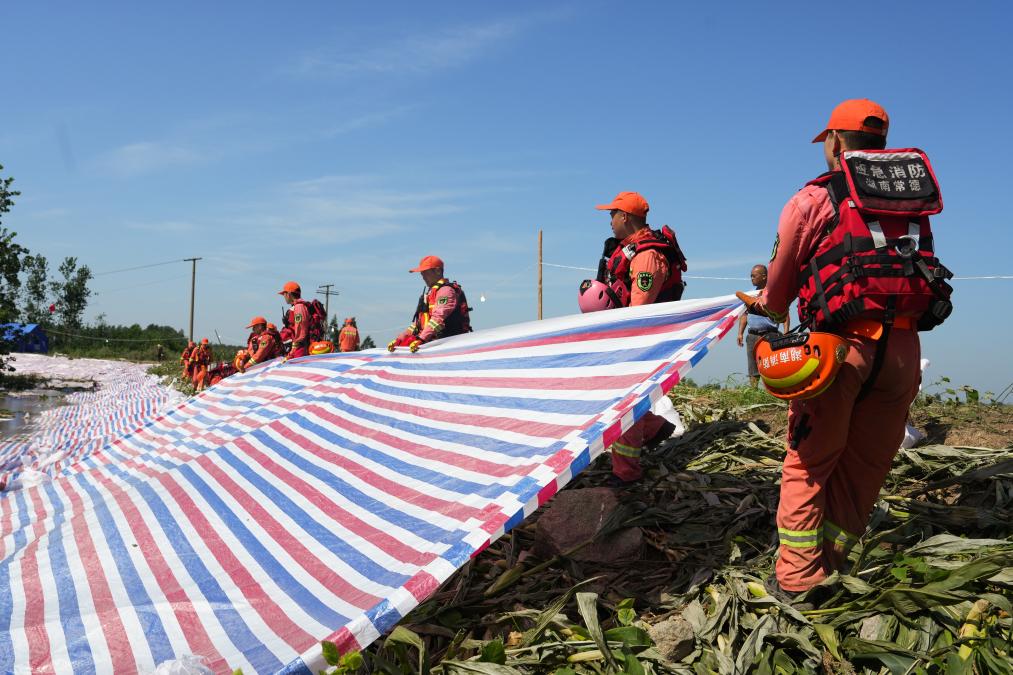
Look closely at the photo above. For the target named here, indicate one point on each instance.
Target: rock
(673, 638)
(573, 517)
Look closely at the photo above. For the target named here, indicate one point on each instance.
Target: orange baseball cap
(851, 116)
(430, 262)
(630, 202)
(256, 320)
(203, 341)
(290, 287)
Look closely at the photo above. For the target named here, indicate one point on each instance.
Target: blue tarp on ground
(26, 337)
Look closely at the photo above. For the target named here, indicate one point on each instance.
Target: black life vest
(459, 320)
(614, 265)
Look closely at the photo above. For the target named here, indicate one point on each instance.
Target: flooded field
(19, 410)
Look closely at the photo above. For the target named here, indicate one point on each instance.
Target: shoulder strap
(836, 185)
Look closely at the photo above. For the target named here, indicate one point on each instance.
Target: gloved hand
(391, 345)
(750, 302)
(414, 346)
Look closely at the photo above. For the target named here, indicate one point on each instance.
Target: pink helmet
(594, 296)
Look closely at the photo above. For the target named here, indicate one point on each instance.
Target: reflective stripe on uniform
(626, 450)
(800, 538)
(838, 536)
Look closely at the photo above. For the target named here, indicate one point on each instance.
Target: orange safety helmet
(800, 365)
(321, 347)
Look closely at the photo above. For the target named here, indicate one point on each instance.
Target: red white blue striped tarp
(124, 398)
(322, 498)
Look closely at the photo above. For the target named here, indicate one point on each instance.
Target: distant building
(26, 337)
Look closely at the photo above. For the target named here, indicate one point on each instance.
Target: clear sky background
(339, 142)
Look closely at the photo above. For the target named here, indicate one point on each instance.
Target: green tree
(367, 343)
(72, 293)
(333, 329)
(35, 291)
(10, 265)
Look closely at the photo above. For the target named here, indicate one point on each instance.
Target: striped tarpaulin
(125, 397)
(322, 498)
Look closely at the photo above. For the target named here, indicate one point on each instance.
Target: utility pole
(539, 275)
(193, 285)
(327, 293)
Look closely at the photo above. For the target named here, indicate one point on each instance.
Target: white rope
(570, 267)
(694, 276)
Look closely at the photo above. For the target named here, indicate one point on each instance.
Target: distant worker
(348, 337)
(200, 358)
(279, 346)
(442, 310)
(305, 321)
(263, 346)
(855, 247)
(159, 352)
(184, 360)
(757, 325)
(639, 266)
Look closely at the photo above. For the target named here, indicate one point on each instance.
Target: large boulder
(574, 516)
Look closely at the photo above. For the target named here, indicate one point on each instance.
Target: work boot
(618, 483)
(793, 598)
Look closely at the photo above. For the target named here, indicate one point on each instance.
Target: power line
(139, 267)
(170, 338)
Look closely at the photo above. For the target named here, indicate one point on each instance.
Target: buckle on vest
(873, 329)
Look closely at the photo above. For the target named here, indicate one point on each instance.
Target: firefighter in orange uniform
(184, 360)
(200, 359)
(298, 320)
(348, 337)
(279, 345)
(442, 310)
(262, 345)
(842, 441)
(641, 266)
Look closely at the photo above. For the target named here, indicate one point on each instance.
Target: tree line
(31, 293)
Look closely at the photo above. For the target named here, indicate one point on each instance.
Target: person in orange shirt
(201, 358)
(348, 337)
(298, 320)
(279, 345)
(648, 264)
(842, 441)
(262, 345)
(184, 360)
(442, 310)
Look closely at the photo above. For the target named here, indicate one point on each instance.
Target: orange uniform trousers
(839, 453)
(627, 449)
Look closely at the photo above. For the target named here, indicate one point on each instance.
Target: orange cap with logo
(630, 202)
(852, 115)
(430, 262)
(256, 320)
(290, 287)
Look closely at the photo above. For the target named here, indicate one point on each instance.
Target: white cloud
(175, 226)
(419, 53)
(341, 209)
(144, 157)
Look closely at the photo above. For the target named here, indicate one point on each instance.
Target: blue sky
(340, 142)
